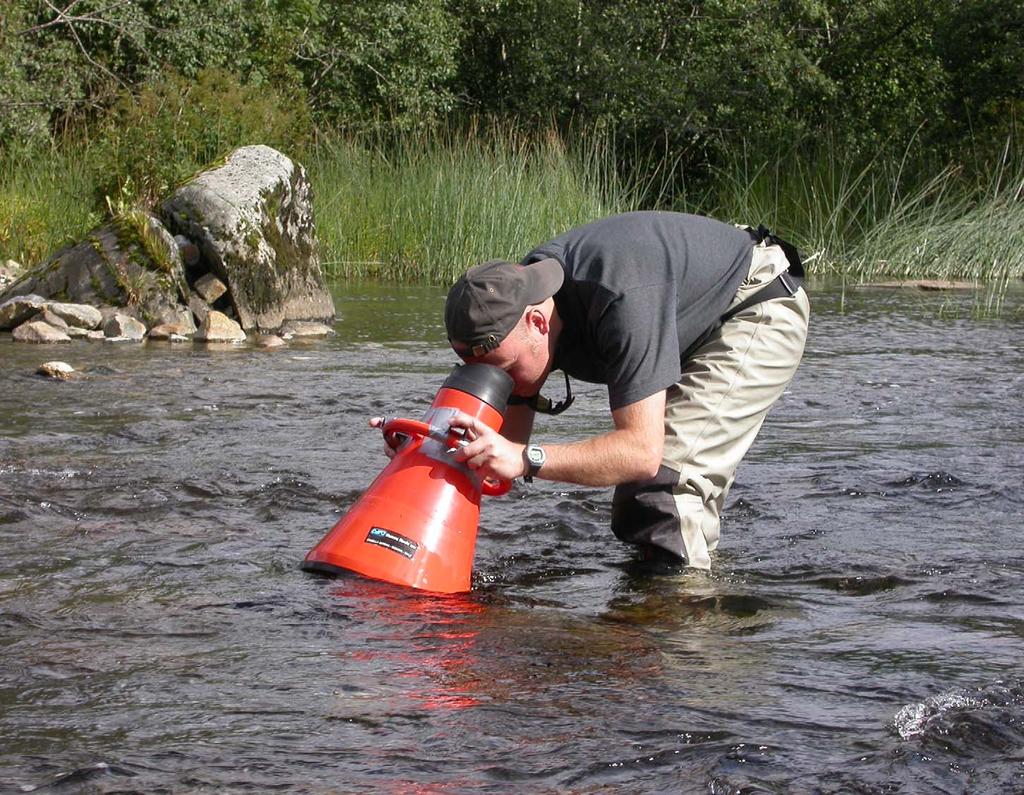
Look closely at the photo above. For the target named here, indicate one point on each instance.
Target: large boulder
(133, 262)
(252, 221)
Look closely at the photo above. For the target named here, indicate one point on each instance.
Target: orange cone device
(417, 523)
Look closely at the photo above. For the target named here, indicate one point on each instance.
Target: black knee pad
(645, 514)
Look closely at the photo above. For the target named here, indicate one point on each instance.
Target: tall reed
(424, 206)
(881, 218)
(952, 234)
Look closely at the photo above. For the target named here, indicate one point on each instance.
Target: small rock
(305, 328)
(269, 341)
(218, 327)
(59, 370)
(15, 311)
(77, 333)
(108, 312)
(174, 332)
(126, 327)
(39, 332)
(210, 288)
(184, 318)
(79, 315)
(200, 309)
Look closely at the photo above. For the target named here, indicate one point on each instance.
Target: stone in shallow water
(218, 327)
(124, 327)
(62, 371)
(252, 220)
(175, 332)
(39, 332)
(269, 341)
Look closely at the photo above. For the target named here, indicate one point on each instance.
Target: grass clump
(46, 202)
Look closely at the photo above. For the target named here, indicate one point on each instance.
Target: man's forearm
(606, 460)
(629, 453)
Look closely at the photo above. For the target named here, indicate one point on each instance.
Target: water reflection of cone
(416, 524)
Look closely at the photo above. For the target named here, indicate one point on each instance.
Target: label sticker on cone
(393, 541)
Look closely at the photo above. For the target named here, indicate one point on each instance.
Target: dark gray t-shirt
(641, 288)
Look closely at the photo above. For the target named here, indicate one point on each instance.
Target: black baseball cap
(485, 304)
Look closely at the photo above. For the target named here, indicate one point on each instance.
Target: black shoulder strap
(543, 405)
(764, 235)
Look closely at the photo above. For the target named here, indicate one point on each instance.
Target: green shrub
(151, 141)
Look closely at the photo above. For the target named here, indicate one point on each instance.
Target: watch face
(535, 455)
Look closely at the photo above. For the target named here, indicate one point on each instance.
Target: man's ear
(535, 318)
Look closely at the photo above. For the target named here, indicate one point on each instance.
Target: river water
(862, 631)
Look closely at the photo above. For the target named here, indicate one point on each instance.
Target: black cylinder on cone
(490, 384)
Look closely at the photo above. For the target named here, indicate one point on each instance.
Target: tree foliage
(698, 77)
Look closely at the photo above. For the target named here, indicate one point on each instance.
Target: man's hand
(389, 449)
(487, 452)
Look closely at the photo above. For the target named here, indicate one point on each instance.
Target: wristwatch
(535, 458)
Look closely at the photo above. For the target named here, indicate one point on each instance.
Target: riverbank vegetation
(882, 137)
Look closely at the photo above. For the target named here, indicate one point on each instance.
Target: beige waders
(711, 418)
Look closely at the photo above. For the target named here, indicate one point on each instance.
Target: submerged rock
(270, 341)
(62, 371)
(252, 220)
(305, 328)
(927, 284)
